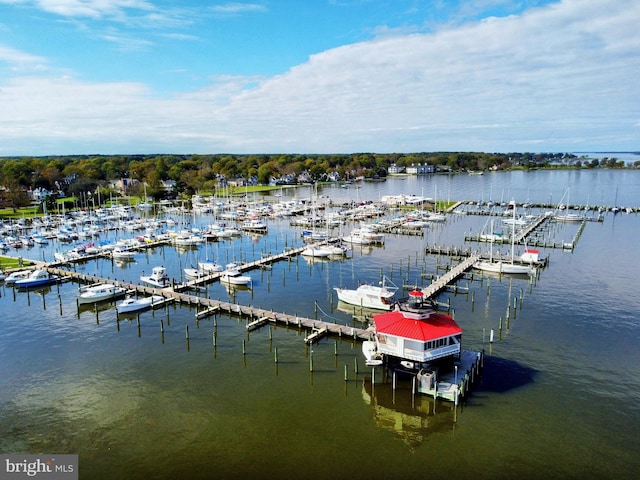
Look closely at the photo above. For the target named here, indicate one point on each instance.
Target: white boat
(370, 296)
(99, 293)
(367, 233)
(566, 216)
(210, 267)
(36, 278)
(158, 277)
(507, 267)
(122, 253)
(357, 239)
(131, 304)
(187, 239)
(15, 276)
(232, 275)
(254, 225)
(316, 251)
(337, 250)
(194, 273)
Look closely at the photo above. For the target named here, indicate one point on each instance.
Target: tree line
(75, 174)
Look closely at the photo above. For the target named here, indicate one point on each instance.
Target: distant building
(395, 169)
(39, 194)
(123, 184)
(168, 185)
(420, 169)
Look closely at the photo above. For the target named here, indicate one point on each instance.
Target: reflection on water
(410, 418)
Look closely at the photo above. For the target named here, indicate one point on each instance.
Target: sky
(318, 76)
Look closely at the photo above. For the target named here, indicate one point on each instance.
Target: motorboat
(158, 277)
(210, 267)
(36, 278)
(232, 275)
(316, 251)
(194, 273)
(122, 253)
(365, 235)
(130, 304)
(100, 293)
(370, 296)
(15, 276)
(254, 225)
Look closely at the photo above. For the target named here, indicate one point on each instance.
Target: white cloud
(234, 8)
(21, 61)
(91, 8)
(558, 78)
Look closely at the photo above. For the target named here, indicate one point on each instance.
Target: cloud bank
(557, 78)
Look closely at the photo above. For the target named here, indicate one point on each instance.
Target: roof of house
(438, 325)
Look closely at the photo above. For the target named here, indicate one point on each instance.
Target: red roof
(438, 325)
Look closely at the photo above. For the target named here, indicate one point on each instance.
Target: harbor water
(145, 397)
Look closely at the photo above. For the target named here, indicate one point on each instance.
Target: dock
(207, 306)
(451, 276)
(456, 384)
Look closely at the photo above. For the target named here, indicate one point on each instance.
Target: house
(395, 169)
(420, 169)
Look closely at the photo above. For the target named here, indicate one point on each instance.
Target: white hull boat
(158, 277)
(100, 293)
(130, 304)
(210, 267)
(369, 296)
(120, 253)
(502, 267)
(13, 277)
(232, 276)
(316, 251)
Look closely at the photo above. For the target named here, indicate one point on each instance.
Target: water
(559, 397)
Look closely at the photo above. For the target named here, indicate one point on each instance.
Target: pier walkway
(449, 277)
(206, 306)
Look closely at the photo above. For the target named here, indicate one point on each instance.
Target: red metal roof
(438, 325)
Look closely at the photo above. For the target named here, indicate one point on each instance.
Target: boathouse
(419, 338)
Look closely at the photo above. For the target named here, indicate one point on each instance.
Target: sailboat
(499, 266)
(566, 217)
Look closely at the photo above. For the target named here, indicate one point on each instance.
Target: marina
(216, 365)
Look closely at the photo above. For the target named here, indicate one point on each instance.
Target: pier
(207, 306)
(449, 277)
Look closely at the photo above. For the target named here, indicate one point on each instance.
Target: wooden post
(275, 354)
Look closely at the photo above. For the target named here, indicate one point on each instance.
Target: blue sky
(318, 76)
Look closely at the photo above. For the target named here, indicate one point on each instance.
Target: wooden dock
(451, 276)
(206, 306)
